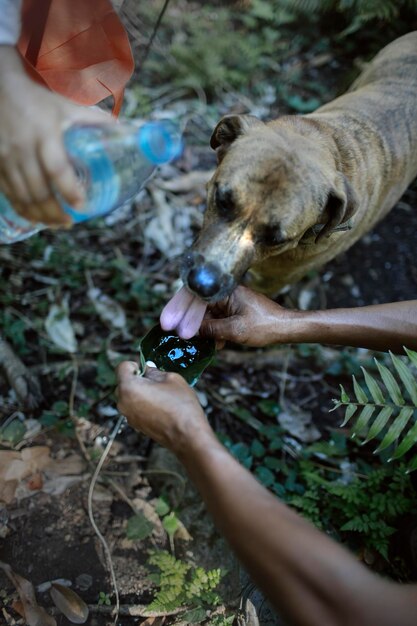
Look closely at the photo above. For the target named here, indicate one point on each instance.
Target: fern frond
(409, 382)
(385, 407)
(182, 585)
(396, 428)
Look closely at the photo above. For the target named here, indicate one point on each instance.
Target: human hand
(33, 162)
(248, 318)
(161, 405)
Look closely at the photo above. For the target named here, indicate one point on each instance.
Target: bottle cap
(160, 141)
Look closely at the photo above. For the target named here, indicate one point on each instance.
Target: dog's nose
(205, 280)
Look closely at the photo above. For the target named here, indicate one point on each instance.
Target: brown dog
(291, 194)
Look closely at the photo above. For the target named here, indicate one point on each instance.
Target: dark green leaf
(412, 355)
(391, 384)
(61, 408)
(406, 376)
(396, 428)
(361, 396)
(139, 527)
(162, 507)
(363, 419)
(171, 523)
(265, 475)
(350, 410)
(380, 422)
(343, 395)
(269, 407)
(257, 448)
(272, 463)
(194, 616)
(409, 440)
(374, 389)
(13, 432)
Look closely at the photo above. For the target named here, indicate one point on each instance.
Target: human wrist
(196, 439)
(288, 326)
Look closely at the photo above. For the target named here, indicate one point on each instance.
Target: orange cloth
(78, 48)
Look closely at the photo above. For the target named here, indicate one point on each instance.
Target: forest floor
(75, 303)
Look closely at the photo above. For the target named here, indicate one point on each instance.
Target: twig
(114, 610)
(155, 29)
(71, 412)
(283, 381)
(134, 610)
(73, 386)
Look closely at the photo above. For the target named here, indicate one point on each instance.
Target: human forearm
(310, 579)
(250, 318)
(378, 327)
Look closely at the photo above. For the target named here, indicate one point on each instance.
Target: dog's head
(273, 184)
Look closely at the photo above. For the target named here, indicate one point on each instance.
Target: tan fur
(345, 164)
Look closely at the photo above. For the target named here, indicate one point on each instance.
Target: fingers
(219, 329)
(27, 184)
(61, 176)
(127, 373)
(48, 212)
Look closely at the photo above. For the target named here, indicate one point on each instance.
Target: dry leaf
(108, 310)
(69, 603)
(34, 614)
(70, 465)
(299, 424)
(52, 476)
(59, 327)
(149, 512)
(187, 182)
(153, 621)
(16, 466)
(169, 229)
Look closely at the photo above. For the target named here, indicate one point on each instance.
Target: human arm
(311, 580)
(252, 319)
(33, 161)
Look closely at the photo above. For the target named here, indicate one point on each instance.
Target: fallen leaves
(69, 603)
(66, 600)
(33, 469)
(59, 327)
(34, 614)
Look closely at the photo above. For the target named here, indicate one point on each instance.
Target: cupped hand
(161, 405)
(33, 161)
(248, 318)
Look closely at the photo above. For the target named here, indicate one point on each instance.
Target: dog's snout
(205, 280)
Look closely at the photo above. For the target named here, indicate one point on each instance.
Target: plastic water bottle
(112, 163)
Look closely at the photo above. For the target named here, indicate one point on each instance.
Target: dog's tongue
(183, 313)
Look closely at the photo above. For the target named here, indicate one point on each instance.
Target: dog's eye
(271, 237)
(223, 198)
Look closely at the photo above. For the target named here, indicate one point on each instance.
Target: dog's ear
(230, 127)
(341, 205)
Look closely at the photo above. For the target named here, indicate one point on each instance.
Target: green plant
(182, 585)
(386, 405)
(359, 12)
(363, 513)
(103, 598)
